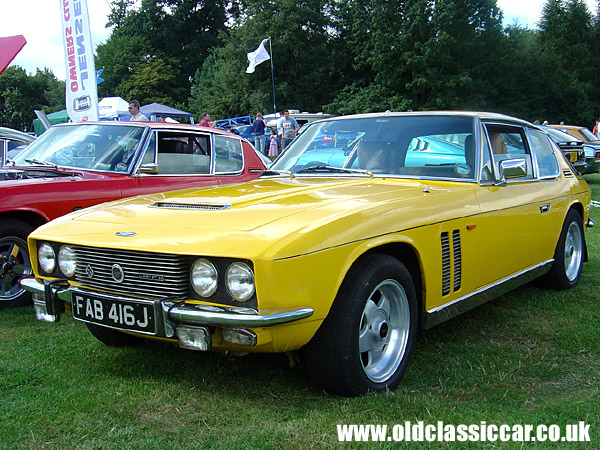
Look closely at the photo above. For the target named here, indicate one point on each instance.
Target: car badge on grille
(89, 271)
(117, 273)
(126, 233)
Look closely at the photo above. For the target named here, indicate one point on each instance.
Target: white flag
(82, 94)
(257, 56)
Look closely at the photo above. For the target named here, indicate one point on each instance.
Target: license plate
(130, 315)
(573, 156)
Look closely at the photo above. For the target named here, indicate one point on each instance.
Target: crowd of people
(280, 137)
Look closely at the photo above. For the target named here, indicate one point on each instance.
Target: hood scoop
(202, 206)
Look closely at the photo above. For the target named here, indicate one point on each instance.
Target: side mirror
(149, 168)
(513, 168)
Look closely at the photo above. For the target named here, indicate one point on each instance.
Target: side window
(183, 153)
(228, 154)
(12, 145)
(508, 142)
(544, 154)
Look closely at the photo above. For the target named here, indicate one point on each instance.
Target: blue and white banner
(82, 95)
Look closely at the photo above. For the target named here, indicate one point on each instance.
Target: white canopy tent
(111, 108)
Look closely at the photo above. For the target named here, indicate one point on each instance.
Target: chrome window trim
(155, 131)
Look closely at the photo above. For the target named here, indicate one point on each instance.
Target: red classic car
(73, 166)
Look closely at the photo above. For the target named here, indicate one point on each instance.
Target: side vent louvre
(445, 264)
(567, 173)
(457, 259)
(451, 256)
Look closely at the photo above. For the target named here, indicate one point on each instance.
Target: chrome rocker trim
(472, 300)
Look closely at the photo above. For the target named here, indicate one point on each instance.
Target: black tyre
(569, 254)
(14, 262)
(112, 337)
(366, 341)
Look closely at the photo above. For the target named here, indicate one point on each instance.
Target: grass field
(529, 357)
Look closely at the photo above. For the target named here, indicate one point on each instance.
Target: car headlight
(47, 258)
(204, 277)
(240, 281)
(66, 261)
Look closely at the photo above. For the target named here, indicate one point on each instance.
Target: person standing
(258, 129)
(205, 121)
(273, 144)
(290, 127)
(136, 114)
(280, 129)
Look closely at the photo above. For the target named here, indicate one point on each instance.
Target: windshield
(85, 146)
(588, 135)
(410, 146)
(560, 136)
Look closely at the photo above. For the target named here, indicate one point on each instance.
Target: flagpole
(272, 77)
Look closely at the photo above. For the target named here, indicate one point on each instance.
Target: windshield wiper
(277, 172)
(334, 169)
(40, 162)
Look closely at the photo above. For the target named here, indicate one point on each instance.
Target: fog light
(239, 336)
(194, 338)
(41, 312)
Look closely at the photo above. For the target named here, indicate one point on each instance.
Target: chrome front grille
(152, 275)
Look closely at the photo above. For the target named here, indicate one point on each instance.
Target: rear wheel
(366, 341)
(112, 337)
(569, 254)
(14, 262)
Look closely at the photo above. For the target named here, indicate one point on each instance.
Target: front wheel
(14, 263)
(366, 341)
(569, 254)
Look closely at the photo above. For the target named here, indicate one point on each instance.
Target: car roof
(152, 125)
(568, 127)
(15, 134)
(474, 114)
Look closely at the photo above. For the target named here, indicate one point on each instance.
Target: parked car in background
(73, 166)
(570, 146)
(12, 142)
(591, 145)
(301, 117)
(246, 131)
(427, 215)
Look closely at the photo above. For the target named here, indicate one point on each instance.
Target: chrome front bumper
(48, 298)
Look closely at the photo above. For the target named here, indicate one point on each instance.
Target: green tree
(177, 32)
(304, 70)
(419, 54)
(568, 38)
(21, 94)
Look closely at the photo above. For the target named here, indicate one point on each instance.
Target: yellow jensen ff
(366, 227)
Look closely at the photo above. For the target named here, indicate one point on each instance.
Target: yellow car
(341, 250)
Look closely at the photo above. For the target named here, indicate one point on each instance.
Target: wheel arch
(407, 255)
(32, 218)
(578, 207)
